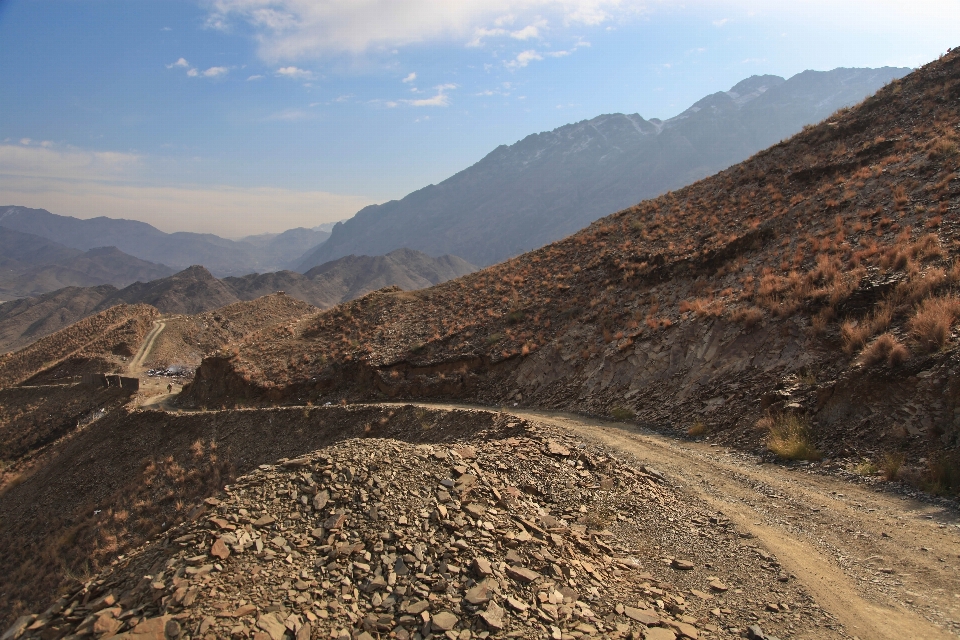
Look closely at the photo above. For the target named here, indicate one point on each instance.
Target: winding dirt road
(885, 566)
(137, 362)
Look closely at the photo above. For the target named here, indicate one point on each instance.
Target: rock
(263, 521)
(106, 626)
(492, 616)
(478, 595)
(482, 568)
(321, 499)
(172, 629)
(517, 605)
(716, 585)
(416, 608)
(659, 633)
(18, 627)
(681, 565)
(304, 632)
(475, 510)
(683, 629)
(754, 632)
(443, 621)
(554, 448)
(336, 521)
(522, 574)
(220, 549)
(150, 629)
(643, 616)
(466, 452)
(273, 625)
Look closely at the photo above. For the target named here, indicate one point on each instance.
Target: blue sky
(246, 116)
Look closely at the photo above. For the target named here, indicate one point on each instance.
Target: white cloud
(181, 62)
(526, 33)
(255, 77)
(25, 141)
(441, 99)
(213, 72)
(410, 77)
(193, 73)
(721, 22)
(301, 29)
(523, 59)
(530, 31)
(294, 73)
(97, 183)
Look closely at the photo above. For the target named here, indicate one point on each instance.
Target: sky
(238, 117)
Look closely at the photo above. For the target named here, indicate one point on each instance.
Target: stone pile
(532, 534)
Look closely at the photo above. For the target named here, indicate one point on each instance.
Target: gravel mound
(520, 533)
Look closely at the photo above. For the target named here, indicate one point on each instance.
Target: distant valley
(195, 290)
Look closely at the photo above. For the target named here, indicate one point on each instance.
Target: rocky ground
(520, 531)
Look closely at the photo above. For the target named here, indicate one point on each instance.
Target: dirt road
(136, 364)
(884, 565)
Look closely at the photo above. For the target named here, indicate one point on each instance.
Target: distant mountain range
(267, 252)
(551, 184)
(195, 290)
(31, 265)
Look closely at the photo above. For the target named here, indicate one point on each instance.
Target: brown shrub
(885, 348)
(856, 333)
(748, 316)
(931, 324)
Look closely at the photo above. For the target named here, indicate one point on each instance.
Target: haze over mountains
(223, 257)
(31, 265)
(195, 290)
(551, 184)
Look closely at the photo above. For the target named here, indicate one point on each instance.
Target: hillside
(819, 278)
(352, 276)
(179, 250)
(98, 344)
(186, 339)
(29, 319)
(552, 184)
(31, 265)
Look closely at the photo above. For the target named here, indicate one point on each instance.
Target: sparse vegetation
(890, 466)
(622, 414)
(790, 438)
(697, 429)
(933, 320)
(865, 468)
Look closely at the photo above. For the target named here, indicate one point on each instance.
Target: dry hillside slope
(99, 344)
(818, 279)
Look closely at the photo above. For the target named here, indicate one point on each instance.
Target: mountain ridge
(550, 184)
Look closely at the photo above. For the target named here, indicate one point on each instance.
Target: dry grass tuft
(885, 348)
(933, 320)
(789, 438)
(697, 429)
(856, 333)
(890, 466)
